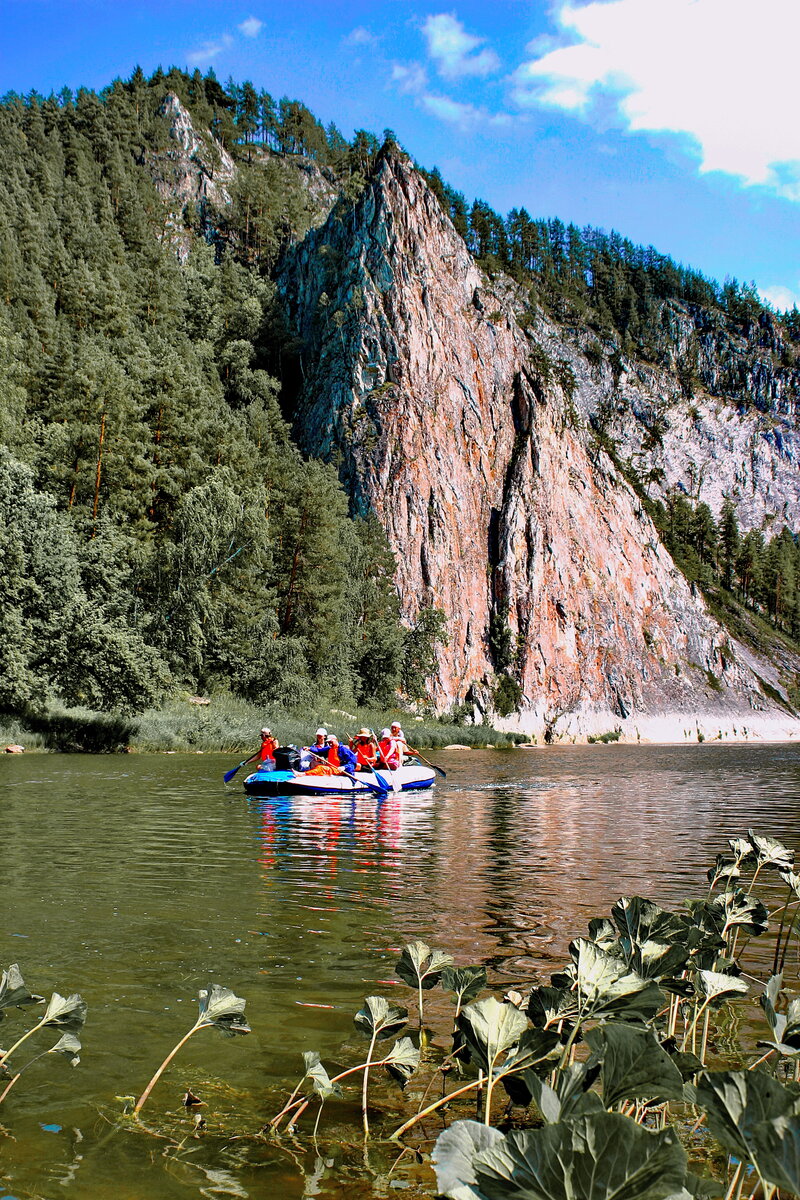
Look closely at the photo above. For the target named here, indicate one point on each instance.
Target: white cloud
(361, 36)
(454, 51)
(209, 50)
(720, 72)
(781, 298)
(409, 78)
(251, 27)
(454, 112)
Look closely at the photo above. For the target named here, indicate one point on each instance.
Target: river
(138, 880)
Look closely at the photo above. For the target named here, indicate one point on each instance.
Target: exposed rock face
(197, 173)
(194, 170)
(464, 432)
(700, 444)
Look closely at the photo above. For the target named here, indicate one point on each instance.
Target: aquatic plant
(218, 1008)
(611, 1057)
(63, 1012)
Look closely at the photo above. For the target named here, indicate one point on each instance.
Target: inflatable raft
(410, 778)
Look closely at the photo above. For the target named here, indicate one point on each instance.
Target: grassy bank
(226, 725)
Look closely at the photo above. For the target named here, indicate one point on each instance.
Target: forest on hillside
(159, 529)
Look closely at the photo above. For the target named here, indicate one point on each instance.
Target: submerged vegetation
(632, 1074)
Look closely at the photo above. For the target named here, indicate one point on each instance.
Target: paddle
(433, 766)
(381, 791)
(228, 776)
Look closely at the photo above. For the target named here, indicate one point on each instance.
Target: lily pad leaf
(793, 881)
(634, 1065)
(13, 992)
(453, 1155)
(220, 1007)
(320, 1079)
(771, 853)
(380, 1019)
(490, 1028)
(68, 1045)
(465, 982)
(402, 1060)
(602, 1156)
(65, 1012)
(419, 966)
(716, 986)
(735, 1102)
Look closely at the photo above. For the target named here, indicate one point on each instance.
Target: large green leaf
(65, 1012)
(776, 1151)
(13, 992)
(725, 870)
(69, 1046)
(743, 852)
(490, 1028)
(419, 966)
(453, 1156)
(736, 1102)
(716, 987)
(741, 911)
(465, 982)
(606, 987)
(320, 1079)
(551, 1005)
(220, 1007)
(402, 1060)
(640, 920)
(634, 1065)
(380, 1018)
(568, 1097)
(770, 852)
(602, 1156)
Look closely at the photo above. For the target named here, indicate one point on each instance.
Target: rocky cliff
(470, 429)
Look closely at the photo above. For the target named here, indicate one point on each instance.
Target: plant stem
(475, 1083)
(736, 1181)
(487, 1110)
(19, 1042)
(142, 1099)
(704, 1042)
(9, 1086)
(364, 1117)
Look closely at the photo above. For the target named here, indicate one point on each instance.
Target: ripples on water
(137, 883)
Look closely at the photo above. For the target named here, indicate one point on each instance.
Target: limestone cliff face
(469, 435)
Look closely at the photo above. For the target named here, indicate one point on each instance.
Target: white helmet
(321, 732)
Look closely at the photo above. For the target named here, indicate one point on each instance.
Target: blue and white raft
(287, 782)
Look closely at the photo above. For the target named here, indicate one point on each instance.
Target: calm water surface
(138, 880)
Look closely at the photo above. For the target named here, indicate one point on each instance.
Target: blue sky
(673, 121)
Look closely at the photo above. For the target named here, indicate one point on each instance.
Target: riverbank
(224, 724)
(665, 729)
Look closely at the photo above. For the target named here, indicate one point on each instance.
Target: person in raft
(340, 759)
(317, 750)
(366, 752)
(389, 750)
(266, 753)
(394, 747)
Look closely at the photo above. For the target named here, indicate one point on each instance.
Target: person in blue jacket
(340, 754)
